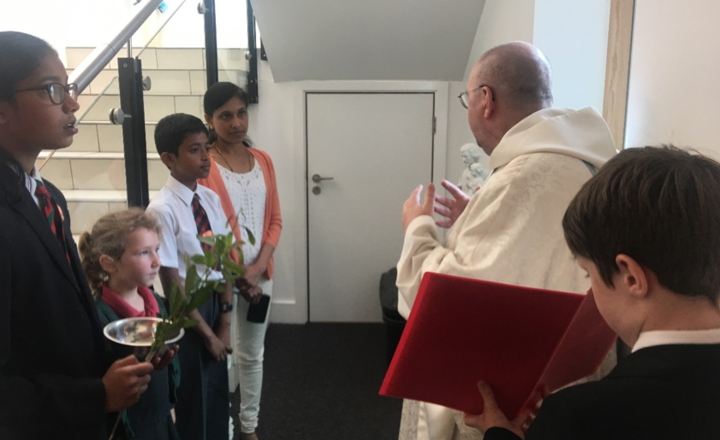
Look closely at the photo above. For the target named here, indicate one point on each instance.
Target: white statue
(474, 173)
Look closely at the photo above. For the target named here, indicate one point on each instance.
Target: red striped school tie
(52, 213)
(201, 221)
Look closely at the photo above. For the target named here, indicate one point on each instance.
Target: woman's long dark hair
(216, 96)
(20, 55)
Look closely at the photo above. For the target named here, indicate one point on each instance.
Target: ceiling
(368, 39)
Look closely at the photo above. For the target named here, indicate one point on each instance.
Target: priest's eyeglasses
(464, 100)
(56, 91)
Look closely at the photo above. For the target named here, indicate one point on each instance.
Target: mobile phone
(258, 312)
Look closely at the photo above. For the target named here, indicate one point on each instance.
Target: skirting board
(286, 311)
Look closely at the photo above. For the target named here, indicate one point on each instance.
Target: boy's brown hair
(661, 207)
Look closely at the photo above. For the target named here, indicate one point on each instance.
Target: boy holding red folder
(646, 229)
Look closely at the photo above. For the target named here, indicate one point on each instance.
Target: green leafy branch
(199, 288)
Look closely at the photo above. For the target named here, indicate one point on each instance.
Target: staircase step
(167, 58)
(86, 206)
(99, 196)
(97, 171)
(90, 155)
(100, 136)
(156, 106)
(166, 81)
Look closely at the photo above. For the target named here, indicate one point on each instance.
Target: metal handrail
(91, 122)
(162, 26)
(97, 98)
(94, 63)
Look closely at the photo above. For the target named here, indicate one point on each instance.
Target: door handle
(317, 179)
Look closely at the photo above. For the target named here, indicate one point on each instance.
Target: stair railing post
(134, 145)
(211, 58)
(252, 76)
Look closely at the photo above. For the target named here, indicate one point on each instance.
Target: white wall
(502, 21)
(187, 28)
(674, 70)
(271, 128)
(276, 127)
(87, 23)
(573, 35)
(90, 20)
(382, 40)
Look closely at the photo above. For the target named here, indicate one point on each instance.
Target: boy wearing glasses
(56, 376)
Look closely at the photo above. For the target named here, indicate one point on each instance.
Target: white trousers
(246, 363)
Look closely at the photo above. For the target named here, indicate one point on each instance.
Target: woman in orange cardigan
(244, 178)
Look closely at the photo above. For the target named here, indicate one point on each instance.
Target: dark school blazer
(52, 351)
(660, 392)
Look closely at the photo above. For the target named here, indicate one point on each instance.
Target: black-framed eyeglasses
(464, 95)
(56, 91)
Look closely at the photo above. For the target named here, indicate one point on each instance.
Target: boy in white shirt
(185, 210)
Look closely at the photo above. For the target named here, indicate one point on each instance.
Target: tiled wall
(106, 138)
(85, 214)
(98, 174)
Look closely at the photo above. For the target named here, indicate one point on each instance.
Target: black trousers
(202, 410)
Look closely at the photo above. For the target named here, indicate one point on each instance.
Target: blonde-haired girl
(120, 258)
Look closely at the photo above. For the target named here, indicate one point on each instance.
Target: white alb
(511, 231)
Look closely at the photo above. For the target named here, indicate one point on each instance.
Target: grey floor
(321, 383)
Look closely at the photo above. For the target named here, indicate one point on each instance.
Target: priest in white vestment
(510, 230)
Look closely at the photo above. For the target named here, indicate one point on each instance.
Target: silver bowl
(136, 335)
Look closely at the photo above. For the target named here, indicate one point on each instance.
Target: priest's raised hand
(412, 208)
(450, 208)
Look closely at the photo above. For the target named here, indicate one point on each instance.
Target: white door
(376, 147)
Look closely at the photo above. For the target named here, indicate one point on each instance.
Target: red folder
(518, 339)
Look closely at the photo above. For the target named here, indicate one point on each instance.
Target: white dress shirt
(674, 337)
(31, 184)
(172, 207)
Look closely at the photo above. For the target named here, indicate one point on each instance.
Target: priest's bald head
(508, 83)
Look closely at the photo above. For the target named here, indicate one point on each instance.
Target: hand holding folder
(520, 340)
